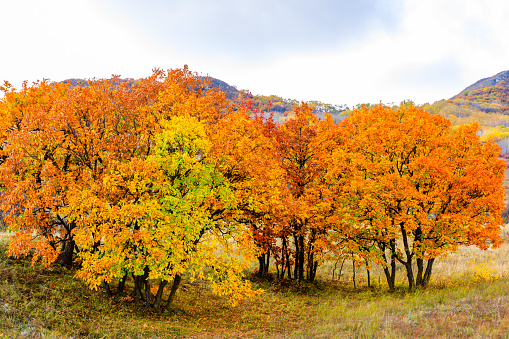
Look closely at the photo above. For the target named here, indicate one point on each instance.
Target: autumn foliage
(163, 179)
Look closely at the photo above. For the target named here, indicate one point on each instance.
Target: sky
(344, 52)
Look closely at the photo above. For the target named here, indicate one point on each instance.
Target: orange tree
(56, 136)
(299, 223)
(407, 188)
(247, 156)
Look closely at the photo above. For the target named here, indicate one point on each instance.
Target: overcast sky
(335, 51)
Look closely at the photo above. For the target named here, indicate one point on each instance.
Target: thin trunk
(301, 259)
(288, 265)
(408, 262)
(283, 257)
(353, 277)
(341, 269)
(427, 274)
(419, 279)
(159, 296)
(335, 267)
(148, 293)
(368, 273)
(267, 263)
(390, 267)
(311, 266)
(420, 261)
(313, 271)
(174, 287)
(410, 274)
(121, 284)
(297, 258)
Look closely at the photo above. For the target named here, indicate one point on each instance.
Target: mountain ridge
(485, 82)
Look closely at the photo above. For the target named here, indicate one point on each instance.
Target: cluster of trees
(164, 178)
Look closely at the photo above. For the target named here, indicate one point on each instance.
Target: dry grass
(468, 298)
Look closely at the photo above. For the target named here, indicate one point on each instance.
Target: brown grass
(467, 298)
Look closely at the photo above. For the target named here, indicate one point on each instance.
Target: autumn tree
(247, 156)
(86, 167)
(56, 137)
(409, 189)
(158, 222)
(301, 229)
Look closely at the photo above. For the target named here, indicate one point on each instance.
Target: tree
(302, 228)
(57, 137)
(112, 168)
(409, 189)
(247, 156)
(162, 225)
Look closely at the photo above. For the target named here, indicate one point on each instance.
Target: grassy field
(468, 298)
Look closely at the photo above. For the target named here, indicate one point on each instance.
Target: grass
(468, 298)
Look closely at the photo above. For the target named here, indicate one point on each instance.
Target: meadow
(468, 298)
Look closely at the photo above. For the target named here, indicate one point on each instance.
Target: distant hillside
(280, 107)
(498, 79)
(490, 95)
(84, 82)
(487, 102)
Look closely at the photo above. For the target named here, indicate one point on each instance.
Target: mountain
(488, 94)
(265, 104)
(496, 80)
(486, 102)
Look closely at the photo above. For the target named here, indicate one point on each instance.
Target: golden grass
(468, 297)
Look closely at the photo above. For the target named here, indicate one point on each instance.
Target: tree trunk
(390, 274)
(368, 273)
(174, 287)
(261, 265)
(353, 277)
(288, 265)
(427, 274)
(121, 284)
(66, 256)
(297, 258)
(159, 296)
(301, 258)
(267, 263)
(410, 274)
(148, 293)
(420, 271)
(408, 262)
(315, 268)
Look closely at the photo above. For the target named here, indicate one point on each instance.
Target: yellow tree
(158, 221)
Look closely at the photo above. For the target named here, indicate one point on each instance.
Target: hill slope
(486, 82)
(487, 102)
